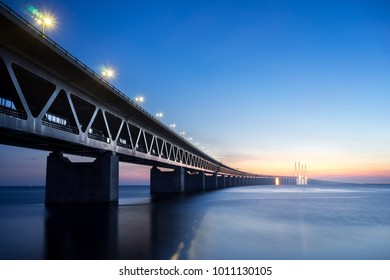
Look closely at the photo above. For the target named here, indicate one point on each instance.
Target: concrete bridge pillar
(228, 181)
(264, 181)
(82, 182)
(221, 181)
(211, 182)
(233, 181)
(194, 182)
(166, 181)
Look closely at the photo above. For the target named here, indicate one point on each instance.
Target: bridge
(50, 100)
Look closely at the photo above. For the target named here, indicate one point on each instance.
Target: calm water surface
(257, 222)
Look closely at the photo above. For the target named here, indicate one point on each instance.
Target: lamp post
(159, 115)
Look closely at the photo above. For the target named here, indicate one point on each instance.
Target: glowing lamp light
(48, 21)
(108, 72)
(139, 99)
(45, 20)
(277, 182)
(159, 115)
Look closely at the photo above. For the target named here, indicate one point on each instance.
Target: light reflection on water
(257, 222)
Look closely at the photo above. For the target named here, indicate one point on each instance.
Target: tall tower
(295, 173)
(305, 175)
(299, 174)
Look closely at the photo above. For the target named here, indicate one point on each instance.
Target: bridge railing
(95, 74)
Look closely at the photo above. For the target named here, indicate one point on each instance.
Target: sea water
(342, 221)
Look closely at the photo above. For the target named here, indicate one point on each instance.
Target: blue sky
(261, 84)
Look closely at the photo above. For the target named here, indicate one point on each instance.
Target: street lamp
(45, 21)
(172, 125)
(159, 115)
(108, 73)
(182, 133)
(139, 99)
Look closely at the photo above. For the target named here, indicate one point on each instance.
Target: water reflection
(81, 232)
(161, 229)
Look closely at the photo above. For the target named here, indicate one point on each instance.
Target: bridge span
(51, 101)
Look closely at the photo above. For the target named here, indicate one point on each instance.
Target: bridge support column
(195, 182)
(81, 182)
(211, 182)
(228, 181)
(233, 182)
(166, 181)
(262, 181)
(221, 181)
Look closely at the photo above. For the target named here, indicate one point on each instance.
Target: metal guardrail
(66, 128)
(98, 137)
(13, 112)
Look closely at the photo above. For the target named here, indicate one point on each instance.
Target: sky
(261, 84)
